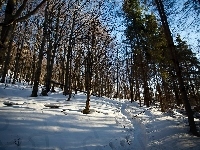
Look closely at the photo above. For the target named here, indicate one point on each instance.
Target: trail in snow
(140, 138)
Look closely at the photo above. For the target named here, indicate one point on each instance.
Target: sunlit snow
(114, 124)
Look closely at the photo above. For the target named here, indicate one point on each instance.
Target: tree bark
(7, 31)
(17, 59)
(7, 61)
(51, 53)
(69, 55)
(40, 57)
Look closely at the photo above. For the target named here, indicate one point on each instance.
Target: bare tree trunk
(87, 107)
(69, 55)
(52, 52)
(17, 59)
(40, 58)
(70, 84)
(33, 67)
(38, 70)
(131, 79)
(66, 85)
(7, 61)
(145, 80)
(88, 81)
(175, 89)
(117, 94)
(63, 68)
(48, 67)
(89, 69)
(7, 30)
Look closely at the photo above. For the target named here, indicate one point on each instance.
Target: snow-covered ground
(114, 124)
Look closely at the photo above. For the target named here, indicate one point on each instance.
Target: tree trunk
(48, 67)
(131, 79)
(69, 55)
(17, 59)
(38, 70)
(63, 78)
(89, 68)
(175, 89)
(7, 30)
(70, 74)
(33, 67)
(7, 61)
(88, 81)
(51, 53)
(40, 58)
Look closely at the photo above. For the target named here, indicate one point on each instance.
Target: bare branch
(31, 13)
(19, 11)
(21, 8)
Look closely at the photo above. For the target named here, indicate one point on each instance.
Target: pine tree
(176, 66)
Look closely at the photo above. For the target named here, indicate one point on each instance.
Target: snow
(114, 124)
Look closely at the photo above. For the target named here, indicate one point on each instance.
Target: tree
(172, 50)
(20, 47)
(40, 56)
(13, 16)
(189, 67)
(55, 27)
(144, 37)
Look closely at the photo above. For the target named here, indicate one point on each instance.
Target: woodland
(122, 49)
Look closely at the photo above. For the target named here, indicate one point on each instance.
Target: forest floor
(114, 124)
